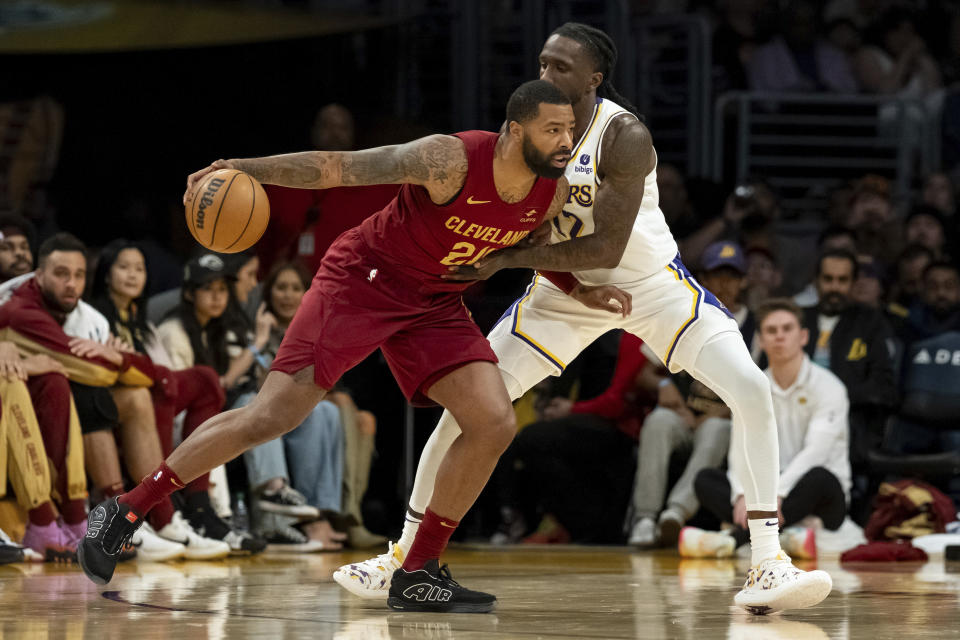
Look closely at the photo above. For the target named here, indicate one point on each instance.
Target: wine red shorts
(357, 304)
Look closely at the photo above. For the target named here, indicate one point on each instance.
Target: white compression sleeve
(725, 366)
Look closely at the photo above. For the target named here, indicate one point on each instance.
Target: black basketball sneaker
(109, 527)
(434, 589)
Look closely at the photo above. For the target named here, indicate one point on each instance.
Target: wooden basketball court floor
(570, 592)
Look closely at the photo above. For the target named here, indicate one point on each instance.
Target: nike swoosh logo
(470, 200)
(771, 524)
(448, 526)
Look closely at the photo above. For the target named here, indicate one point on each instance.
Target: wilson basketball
(228, 211)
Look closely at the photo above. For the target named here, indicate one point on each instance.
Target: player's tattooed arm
(438, 163)
(627, 159)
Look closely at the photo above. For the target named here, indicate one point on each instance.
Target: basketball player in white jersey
(611, 232)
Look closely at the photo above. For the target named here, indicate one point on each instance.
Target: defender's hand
(195, 177)
(604, 297)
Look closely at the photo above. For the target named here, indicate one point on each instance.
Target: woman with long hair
(119, 283)
(310, 458)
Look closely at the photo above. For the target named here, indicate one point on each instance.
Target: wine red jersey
(422, 239)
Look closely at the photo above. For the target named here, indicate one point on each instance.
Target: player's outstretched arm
(437, 162)
(627, 159)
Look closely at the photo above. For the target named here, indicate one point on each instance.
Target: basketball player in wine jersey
(379, 286)
(611, 232)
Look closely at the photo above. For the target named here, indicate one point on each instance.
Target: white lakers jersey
(651, 246)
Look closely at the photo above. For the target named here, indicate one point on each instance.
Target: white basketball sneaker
(153, 548)
(196, 547)
(697, 543)
(776, 585)
(370, 578)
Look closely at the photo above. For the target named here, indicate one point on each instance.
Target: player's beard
(540, 163)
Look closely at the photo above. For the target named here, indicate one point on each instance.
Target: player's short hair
(771, 305)
(843, 254)
(524, 103)
(60, 242)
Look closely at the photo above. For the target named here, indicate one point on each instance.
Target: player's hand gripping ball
(227, 211)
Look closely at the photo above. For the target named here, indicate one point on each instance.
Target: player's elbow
(611, 258)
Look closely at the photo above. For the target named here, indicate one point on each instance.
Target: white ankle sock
(410, 525)
(764, 539)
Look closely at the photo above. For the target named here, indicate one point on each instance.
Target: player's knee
(749, 382)
(503, 430)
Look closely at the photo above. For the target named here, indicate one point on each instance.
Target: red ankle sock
(200, 484)
(161, 514)
(43, 515)
(152, 489)
(431, 540)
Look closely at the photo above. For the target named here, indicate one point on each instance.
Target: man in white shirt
(811, 406)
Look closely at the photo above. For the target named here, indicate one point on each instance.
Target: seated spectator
(896, 61)
(243, 266)
(209, 328)
(304, 222)
(119, 286)
(748, 216)
(44, 461)
(867, 289)
(810, 406)
(908, 283)
(45, 315)
(16, 242)
(567, 470)
(310, 458)
(734, 43)
(938, 192)
(870, 216)
(689, 418)
(833, 237)
(855, 343)
(926, 422)
(764, 279)
(926, 227)
(938, 309)
(800, 60)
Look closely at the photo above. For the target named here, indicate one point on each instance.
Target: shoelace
(445, 575)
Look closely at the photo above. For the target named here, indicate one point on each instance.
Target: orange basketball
(227, 211)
